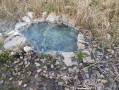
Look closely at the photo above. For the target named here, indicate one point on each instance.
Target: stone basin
(48, 37)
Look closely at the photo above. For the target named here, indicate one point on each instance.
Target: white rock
(67, 61)
(12, 53)
(88, 59)
(39, 70)
(72, 22)
(19, 83)
(52, 66)
(104, 81)
(19, 25)
(100, 86)
(81, 38)
(64, 20)
(70, 70)
(13, 33)
(31, 89)
(41, 19)
(14, 42)
(26, 19)
(36, 20)
(30, 14)
(59, 19)
(81, 46)
(68, 58)
(10, 33)
(37, 64)
(86, 52)
(27, 49)
(44, 14)
(25, 85)
(51, 17)
(68, 54)
(108, 36)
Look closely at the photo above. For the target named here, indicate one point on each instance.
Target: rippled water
(46, 37)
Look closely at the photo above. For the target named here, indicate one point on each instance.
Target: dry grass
(101, 16)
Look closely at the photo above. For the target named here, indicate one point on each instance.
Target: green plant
(6, 68)
(51, 61)
(4, 57)
(61, 80)
(80, 55)
(86, 64)
(61, 65)
(41, 56)
(106, 48)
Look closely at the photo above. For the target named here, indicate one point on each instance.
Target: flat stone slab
(14, 42)
(46, 37)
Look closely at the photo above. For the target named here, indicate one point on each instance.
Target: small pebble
(25, 85)
(52, 66)
(39, 70)
(37, 64)
(19, 83)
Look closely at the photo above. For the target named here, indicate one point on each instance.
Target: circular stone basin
(47, 37)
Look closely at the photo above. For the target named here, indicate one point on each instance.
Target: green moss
(106, 48)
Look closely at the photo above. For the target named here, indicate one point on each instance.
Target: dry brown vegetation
(100, 16)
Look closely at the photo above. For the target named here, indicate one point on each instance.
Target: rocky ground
(31, 71)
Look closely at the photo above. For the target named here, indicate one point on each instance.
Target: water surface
(46, 37)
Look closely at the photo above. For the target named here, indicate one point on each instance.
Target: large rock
(88, 59)
(64, 20)
(14, 42)
(20, 25)
(31, 15)
(27, 49)
(59, 19)
(44, 14)
(51, 17)
(81, 38)
(26, 19)
(68, 58)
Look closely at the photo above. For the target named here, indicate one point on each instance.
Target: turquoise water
(46, 37)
